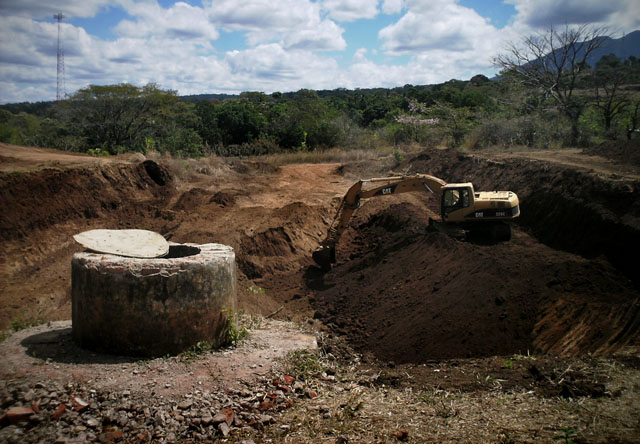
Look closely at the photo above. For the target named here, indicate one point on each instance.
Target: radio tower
(60, 89)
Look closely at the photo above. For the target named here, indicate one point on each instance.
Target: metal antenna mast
(60, 88)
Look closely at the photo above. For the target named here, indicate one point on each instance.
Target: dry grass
(333, 155)
(355, 407)
(186, 169)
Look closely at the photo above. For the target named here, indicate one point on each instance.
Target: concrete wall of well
(153, 307)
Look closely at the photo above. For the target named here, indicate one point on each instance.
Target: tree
(115, 117)
(609, 75)
(553, 62)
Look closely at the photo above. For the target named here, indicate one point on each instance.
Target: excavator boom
(364, 189)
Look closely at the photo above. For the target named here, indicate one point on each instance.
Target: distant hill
(623, 48)
(207, 97)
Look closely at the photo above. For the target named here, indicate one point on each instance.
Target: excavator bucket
(324, 257)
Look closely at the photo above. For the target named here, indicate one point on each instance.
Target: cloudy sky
(230, 46)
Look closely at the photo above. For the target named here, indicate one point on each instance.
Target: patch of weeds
(518, 357)
(508, 363)
(256, 290)
(445, 409)
(397, 154)
(302, 364)
(441, 401)
(4, 335)
(236, 331)
(565, 436)
(98, 152)
(196, 350)
(250, 321)
(18, 324)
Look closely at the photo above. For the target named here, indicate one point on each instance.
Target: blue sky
(230, 46)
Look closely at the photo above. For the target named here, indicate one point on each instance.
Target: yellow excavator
(478, 212)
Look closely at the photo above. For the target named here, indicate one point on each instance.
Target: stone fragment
(92, 422)
(224, 429)
(288, 379)
(185, 404)
(17, 414)
(110, 436)
(59, 411)
(265, 419)
(28, 397)
(224, 415)
(78, 404)
(401, 435)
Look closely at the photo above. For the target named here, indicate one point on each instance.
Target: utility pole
(60, 89)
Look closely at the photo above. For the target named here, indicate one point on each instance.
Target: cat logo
(387, 190)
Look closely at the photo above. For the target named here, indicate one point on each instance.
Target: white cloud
(257, 15)
(392, 6)
(293, 24)
(350, 10)
(271, 68)
(180, 21)
(438, 25)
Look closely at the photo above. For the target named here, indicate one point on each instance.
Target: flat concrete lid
(130, 243)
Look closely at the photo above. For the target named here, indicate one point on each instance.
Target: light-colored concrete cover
(130, 243)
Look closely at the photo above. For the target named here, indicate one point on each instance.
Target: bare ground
(424, 338)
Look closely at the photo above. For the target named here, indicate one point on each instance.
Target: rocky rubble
(71, 413)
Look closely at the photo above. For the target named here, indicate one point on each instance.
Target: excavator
(483, 213)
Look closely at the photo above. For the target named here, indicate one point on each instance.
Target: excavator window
(455, 198)
(451, 198)
(465, 197)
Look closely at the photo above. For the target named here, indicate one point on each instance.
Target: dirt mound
(192, 199)
(411, 296)
(626, 152)
(224, 198)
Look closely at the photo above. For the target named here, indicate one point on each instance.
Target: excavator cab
(456, 197)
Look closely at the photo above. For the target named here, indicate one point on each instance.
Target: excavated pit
(153, 307)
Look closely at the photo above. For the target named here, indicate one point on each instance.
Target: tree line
(545, 96)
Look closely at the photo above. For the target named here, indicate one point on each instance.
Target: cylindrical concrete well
(153, 307)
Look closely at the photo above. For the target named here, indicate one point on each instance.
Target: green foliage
(97, 152)
(18, 324)
(565, 436)
(236, 330)
(125, 117)
(195, 351)
(479, 113)
(256, 290)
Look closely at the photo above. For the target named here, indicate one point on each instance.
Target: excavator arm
(325, 255)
